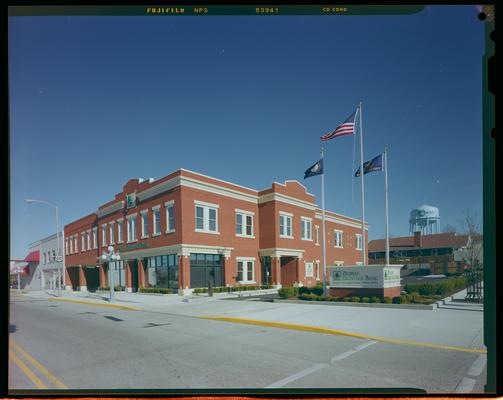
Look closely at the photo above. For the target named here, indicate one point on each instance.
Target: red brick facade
(218, 203)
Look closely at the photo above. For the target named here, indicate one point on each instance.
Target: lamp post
(29, 201)
(108, 257)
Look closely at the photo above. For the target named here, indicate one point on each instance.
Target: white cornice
(183, 249)
(286, 199)
(342, 221)
(110, 209)
(281, 252)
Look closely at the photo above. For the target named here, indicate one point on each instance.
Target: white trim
(285, 213)
(205, 204)
(169, 203)
(245, 258)
(306, 218)
(245, 236)
(310, 221)
(157, 207)
(342, 236)
(358, 235)
(170, 231)
(156, 234)
(206, 231)
(282, 252)
(131, 216)
(143, 212)
(110, 209)
(220, 180)
(154, 231)
(206, 207)
(246, 212)
(312, 269)
(245, 261)
(341, 221)
(244, 215)
(283, 198)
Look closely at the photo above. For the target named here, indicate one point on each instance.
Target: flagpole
(386, 202)
(362, 183)
(323, 226)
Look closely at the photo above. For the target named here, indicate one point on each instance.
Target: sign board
(131, 200)
(132, 246)
(371, 276)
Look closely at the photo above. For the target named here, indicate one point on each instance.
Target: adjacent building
(440, 253)
(187, 229)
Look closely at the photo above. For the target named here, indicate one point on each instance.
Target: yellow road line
(38, 383)
(96, 304)
(39, 366)
(319, 329)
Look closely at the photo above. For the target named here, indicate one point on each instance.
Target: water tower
(424, 219)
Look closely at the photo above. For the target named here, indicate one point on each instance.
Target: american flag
(346, 128)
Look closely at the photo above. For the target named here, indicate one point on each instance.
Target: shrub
(156, 290)
(396, 300)
(404, 299)
(317, 290)
(437, 288)
(288, 292)
(331, 298)
(346, 299)
(375, 299)
(387, 300)
(365, 300)
(355, 299)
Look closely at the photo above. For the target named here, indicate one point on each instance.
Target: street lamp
(108, 257)
(59, 258)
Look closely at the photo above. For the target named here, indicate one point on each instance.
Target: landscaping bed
(416, 293)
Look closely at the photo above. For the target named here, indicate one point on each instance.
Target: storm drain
(112, 318)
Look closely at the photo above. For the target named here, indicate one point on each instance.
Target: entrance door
(266, 270)
(92, 278)
(134, 276)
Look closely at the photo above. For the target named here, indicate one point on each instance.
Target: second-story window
(112, 231)
(244, 223)
(285, 225)
(89, 240)
(338, 238)
(104, 234)
(131, 228)
(76, 244)
(83, 241)
(358, 241)
(170, 216)
(156, 218)
(317, 234)
(206, 217)
(120, 234)
(95, 238)
(306, 224)
(144, 224)
(66, 246)
(70, 240)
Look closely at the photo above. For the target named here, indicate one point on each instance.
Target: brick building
(184, 229)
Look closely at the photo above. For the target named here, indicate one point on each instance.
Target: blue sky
(95, 101)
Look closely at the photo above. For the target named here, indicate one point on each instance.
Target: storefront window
(163, 271)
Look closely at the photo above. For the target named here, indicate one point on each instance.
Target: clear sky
(95, 101)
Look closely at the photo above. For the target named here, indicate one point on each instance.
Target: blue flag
(316, 169)
(370, 166)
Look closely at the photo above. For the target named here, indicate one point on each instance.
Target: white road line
(478, 366)
(465, 386)
(296, 376)
(316, 367)
(352, 351)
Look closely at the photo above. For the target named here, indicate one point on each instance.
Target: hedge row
(354, 299)
(225, 289)
(437, 288)
(156, 290)
(116, 288)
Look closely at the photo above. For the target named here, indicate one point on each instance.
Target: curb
(374, 305)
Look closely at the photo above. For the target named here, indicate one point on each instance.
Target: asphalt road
(77, 346)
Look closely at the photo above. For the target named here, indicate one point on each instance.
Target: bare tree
(472, 226)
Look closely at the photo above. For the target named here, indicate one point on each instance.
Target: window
(285, 225)
(162, 271)
(89, 240)
(66, 246)
(317, 234)
(71, 245)
(95, 238)
(170, 216)
(120, 238)
(157, 220)
(340, 263)
(43, 258)
(317, 270)
(83, 242)
(338, 238)
(246, 270)
(206, 217)
(53, 255)
(131, 228)
(358, 241)
(104, 234)
(112, 232)
(144, 224)
(244, 223)
(309, 270)
(76, 244)
(306, 224)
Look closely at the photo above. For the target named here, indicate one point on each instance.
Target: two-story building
(185, 229)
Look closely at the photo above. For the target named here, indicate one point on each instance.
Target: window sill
(245, 236)
(204, 231)
(144, 237)
(156, 234)
(339, 247)
(285, 237)
(307, 240)
(170, 231)
(121, 241)
(316, 244)
(132, 241)
(246, 282)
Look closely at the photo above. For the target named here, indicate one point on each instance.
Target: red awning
(33, 257)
